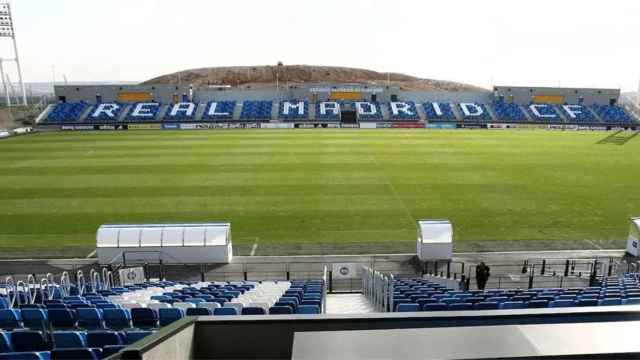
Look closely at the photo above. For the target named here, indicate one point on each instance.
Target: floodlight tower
(7, 31)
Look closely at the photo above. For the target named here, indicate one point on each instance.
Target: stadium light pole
(7, 30)
(4, 83)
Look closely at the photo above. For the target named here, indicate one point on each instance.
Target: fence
(378, 289)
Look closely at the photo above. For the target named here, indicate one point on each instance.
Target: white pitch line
(594, 244)
(91, 254)
(253, 249)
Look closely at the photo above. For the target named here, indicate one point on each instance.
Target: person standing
(482, 275)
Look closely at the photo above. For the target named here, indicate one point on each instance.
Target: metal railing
(378, 289)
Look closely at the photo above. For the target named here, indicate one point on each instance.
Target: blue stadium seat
(66, 112)
(224, 311)
(29, 340)
(280, 310)
(368, 111)
(100, 339)
(609, 301)
(563, 303)
(309, 309)
(256, 110)
(291, 110)
(136, 335)
(435, 307)
(144, 317)
(90, 318)
(183, 111)
(249, 310)
(328, 111)
(62, 318)
(546, 113)
(509, 112)
(167, 316)
(509, 305)
(10, 319)
(219, 111)
(403, 111)
(143, 112)
(476, 112)
(578, 114)
(69, 339)
(460, 306)
(587, 302)
(117, 318)
(198, 312)
(486, 305)
(34, 318)
(77, 353)
(29, 355)
(105, 112)
(5, 342)
(408, 307)
(613, 114)
(111, 350)
(439, 111)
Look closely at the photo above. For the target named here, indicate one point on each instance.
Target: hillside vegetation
(295, 75)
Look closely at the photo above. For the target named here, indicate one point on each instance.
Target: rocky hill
(292, 75)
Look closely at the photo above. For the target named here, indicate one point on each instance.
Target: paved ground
(348, 304)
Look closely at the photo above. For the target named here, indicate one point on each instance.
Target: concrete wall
(523, 95)
(109, 93)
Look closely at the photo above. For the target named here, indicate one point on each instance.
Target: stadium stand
(328, 111)
(367, 111)
(256, 110)
(578, 113)
(472, 112)
(219, 110)
(67, 112)
(416, 294)
(544, 113)
(105, 112)
(509, 112)
(439, 111)
(184, 111)
(99, 322)
(403, 111)
(613, 114)
(143, 112)
(294, 110)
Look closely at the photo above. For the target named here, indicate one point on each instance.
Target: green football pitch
(322, 191)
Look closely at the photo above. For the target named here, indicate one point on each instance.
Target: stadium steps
(312, 111)
(348, 304)
(237, 111)
(43, 115)
(162, 112)
(85, 114)
(275, 111)
(421, 113)
(123, 114)
(386, 115)
(456, 112)
(526, 113)
(595, 113)
(200, 111)
(561, 113)
(492, 113)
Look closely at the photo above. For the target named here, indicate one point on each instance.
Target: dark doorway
(348, 117)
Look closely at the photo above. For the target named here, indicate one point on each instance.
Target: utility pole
(7, 30)
(4, 84)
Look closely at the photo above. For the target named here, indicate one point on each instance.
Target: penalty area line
(91, 254)
(253, 249)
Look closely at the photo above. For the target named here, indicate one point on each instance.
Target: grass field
(321, 191)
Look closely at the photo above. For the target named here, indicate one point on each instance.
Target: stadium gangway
(378, 289)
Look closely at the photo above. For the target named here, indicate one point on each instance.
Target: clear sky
(544, 42)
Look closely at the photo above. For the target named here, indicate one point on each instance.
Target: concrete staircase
(202, 107)
(275, 111)
(491, 112)
(456, 112)
(237, 111)
(43, 115)
(421, 113)
(386, 112)
(525, 112)
(348, 304)
(312, 111)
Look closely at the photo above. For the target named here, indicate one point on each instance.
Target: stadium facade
(332, 105)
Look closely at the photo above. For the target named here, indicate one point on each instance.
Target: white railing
(378, 289)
